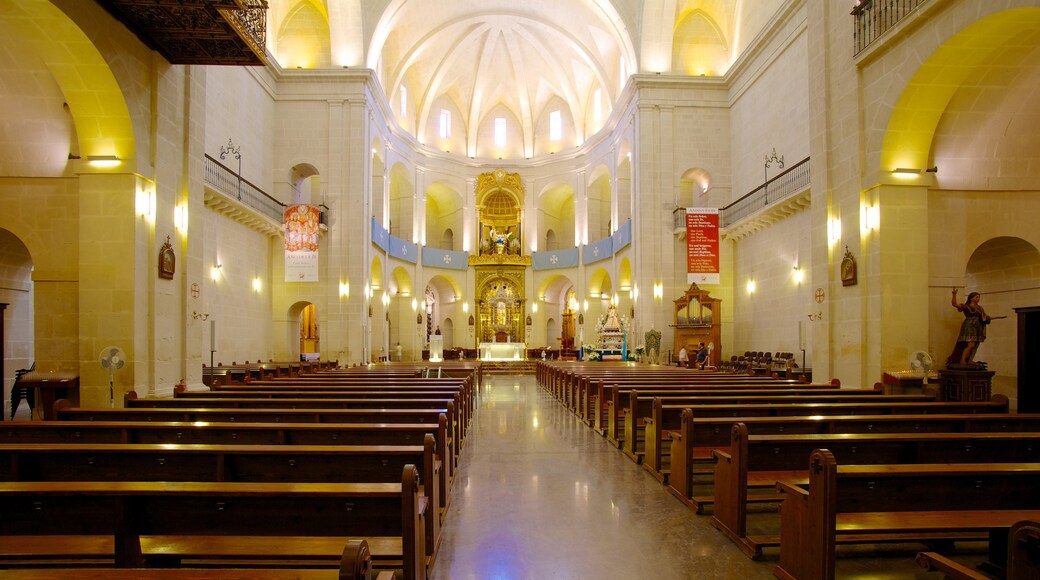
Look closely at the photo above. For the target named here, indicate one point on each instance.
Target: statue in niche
(653, 346)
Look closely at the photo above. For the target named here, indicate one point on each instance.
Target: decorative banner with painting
(301, 243)
(702, 245)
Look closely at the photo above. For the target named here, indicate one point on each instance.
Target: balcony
(213, 32)
(873, 18)
(227, 193)
(769, 203)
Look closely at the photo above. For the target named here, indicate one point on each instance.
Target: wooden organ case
(697, 319)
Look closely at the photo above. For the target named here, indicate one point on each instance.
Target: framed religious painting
(848, 269)
(167, 261)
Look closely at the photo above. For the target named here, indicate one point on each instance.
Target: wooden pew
(897, 503)
(220, 520)
(355, 564)
(640, 408)
(1023, 558)
(699, 436)
(758, 461)
(238, 462)
(456, 421)
(667, 418)
(240, 433)
(611, 400)
(585, 394)
(216, 376)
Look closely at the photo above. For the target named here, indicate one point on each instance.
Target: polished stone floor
(539, 495)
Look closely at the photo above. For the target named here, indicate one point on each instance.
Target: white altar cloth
(492, 351)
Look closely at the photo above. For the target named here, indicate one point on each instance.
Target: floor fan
(112, 358)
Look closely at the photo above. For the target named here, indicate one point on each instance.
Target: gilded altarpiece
(499, 263)
(500, 304)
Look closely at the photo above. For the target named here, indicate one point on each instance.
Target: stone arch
(302, 37)
(379, 177)
(444, 213)
(954, 65)
(305, 181)
(598, 212)
(304, 328)
(624, 184)
(89, 85)
(400, 282)
(699, 46)
(402, 193)
(1004, 270)
(693, 187)
(376, 272)
(19, 318)
(556, 212)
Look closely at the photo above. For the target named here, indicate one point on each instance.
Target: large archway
(16, 293)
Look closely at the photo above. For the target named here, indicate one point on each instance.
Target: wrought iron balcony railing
(782, 186)
(231, 184)
(873, 18)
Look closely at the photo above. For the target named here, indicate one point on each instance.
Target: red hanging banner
(702, 245)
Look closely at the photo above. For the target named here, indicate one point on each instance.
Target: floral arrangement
(589, 352)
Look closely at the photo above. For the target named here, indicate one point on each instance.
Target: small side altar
(499, 351)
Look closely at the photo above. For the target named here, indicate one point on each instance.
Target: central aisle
(539, 495)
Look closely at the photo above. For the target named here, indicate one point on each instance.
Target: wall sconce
(386, 299)
(214, 272)
(465, 306)
(256, 284)
(869, 218)
(799, 275)
(180, 218)
(415, 305)
(534, 307)
(145, 203)
(751, 286)
(635, 293)
(586, 306)
(833, 230)
(911, 172)
(817, 316)
(199, 316)
(344, 289)
(103, 161)
(658, 291)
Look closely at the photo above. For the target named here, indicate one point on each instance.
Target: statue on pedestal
(972, 333)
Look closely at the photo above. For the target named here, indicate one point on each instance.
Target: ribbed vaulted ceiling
(500, 58)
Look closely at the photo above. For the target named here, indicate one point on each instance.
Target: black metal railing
(782, 186)
(873, 18)
(231, 184)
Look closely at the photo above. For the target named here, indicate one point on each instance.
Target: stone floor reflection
(540, 495)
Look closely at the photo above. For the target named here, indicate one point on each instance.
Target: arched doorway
(16, 314)
(309, 339)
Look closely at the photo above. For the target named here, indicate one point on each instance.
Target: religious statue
(499, 240)
(653, 346)
(612, 318)
(972, 332)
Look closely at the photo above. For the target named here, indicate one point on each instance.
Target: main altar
(500, 268)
